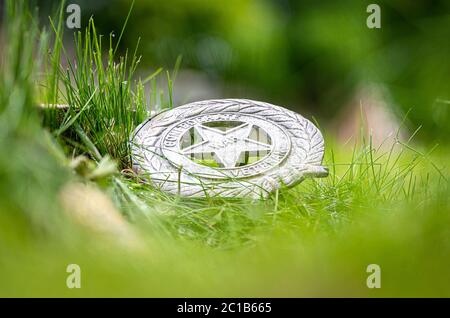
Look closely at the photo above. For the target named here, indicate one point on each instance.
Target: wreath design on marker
(303, 160)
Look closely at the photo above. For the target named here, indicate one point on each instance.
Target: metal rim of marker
(227, 148)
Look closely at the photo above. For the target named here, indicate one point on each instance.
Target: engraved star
(226, 145)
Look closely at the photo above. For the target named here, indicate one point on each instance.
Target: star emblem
(227, 146)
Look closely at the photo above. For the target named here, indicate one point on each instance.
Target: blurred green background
(390, 208)
(311, 56)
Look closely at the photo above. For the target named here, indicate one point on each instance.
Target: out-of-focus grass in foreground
(63, 202)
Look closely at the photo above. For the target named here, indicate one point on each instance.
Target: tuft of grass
(388, 207)
(104, 99)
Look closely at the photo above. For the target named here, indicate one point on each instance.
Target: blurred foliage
(30, 175)
(390, 208)
(308, 55)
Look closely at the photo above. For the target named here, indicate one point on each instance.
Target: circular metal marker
(227, 148)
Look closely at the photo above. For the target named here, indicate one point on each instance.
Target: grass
(103, 109)
(68, 196)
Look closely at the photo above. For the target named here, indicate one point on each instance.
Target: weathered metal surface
(228, 148)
